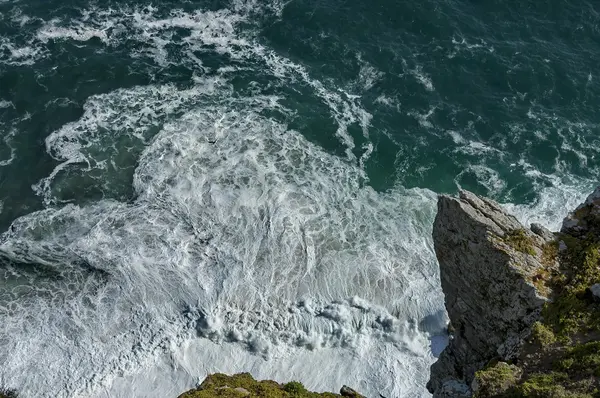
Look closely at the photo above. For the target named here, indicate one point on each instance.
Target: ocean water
(225, 186)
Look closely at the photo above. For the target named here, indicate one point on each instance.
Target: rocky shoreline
(523, 302)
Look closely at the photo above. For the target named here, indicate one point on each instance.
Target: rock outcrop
(523, 302)
(243, 385)
(583, 219)
(489, 264)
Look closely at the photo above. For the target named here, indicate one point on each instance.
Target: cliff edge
(521, 301)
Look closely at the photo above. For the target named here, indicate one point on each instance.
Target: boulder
(346, 391)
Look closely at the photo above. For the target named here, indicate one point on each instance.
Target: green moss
(568, 315)
(565, 356)
(294, 387)
(569, 318)
(547, 385)
(519, 240)
(544, 385)
(496, 380)
(571, 313)
(541, 280)
(550, 253)
(589, 273)
(240, 385)
(542, 334)
(582, 360)
(581, 262)
(544, 276)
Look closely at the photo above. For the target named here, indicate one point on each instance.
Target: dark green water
(299, 143)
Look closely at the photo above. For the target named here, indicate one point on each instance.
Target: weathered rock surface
(489, 265)
(349, 392)
(454, 389)
(595, 290)
(577, 223)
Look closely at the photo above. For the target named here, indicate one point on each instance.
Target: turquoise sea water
(200, 186)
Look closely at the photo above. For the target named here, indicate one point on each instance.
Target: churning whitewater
(246, 247)
(222, 205)
(241, 233)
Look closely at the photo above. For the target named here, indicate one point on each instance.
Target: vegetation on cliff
(519, 240)
(562, 357)
(244, 385)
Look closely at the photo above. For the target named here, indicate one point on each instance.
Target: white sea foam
(345, 108)
(388, 101)
(461, 44)
(18, 55)
(421, 77)
(456, 137)
(56, 32)
(218, 31)
(489, 178)
(92, 141)
(244, 236)
(556, 197)
(423, 118)
(93, 23)
(8, 138)
(368, 74)
(473, 147)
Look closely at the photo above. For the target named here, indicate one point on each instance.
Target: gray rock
(542, 232)
(487, 282)
(585, 217)
(562, 246)
(453, 389)
(346, 391)
(595, 290)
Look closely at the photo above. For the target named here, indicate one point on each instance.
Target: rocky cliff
(521, 302)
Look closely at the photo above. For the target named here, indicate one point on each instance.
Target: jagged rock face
(489, 263)
(585, 218)
(453, 389)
